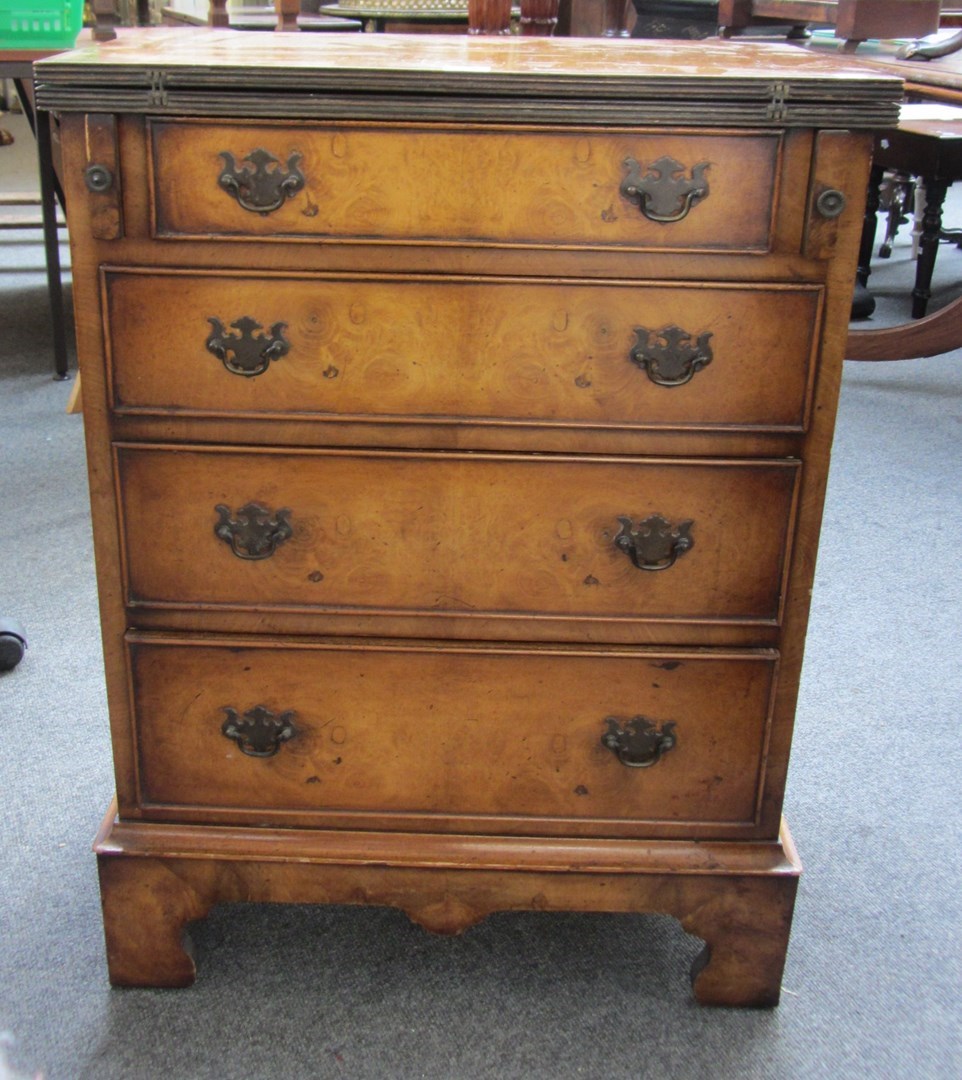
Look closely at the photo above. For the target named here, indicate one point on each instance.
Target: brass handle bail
(259, 732)
(661, 189)
(254, 532)
(654, 544)
(637, 743)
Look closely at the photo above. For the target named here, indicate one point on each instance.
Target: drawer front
(535, 187)
(507, 536)
(442, 350)
(434, 735)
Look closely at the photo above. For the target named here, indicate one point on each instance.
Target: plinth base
(737, 897)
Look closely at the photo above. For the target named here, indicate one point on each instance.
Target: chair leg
(869, 225)
(935, 189)
(899, 201)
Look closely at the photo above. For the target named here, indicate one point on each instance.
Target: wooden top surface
(174, 68)
(418, 56)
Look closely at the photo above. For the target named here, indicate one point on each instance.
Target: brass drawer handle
(638, 744)
(662, 190)
(671, 356)
(246, 353)
(654, 544)
(258, 733)
(255, 532)
(260, 184)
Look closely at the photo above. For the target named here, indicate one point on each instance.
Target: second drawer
(438, 535)
(444, 350)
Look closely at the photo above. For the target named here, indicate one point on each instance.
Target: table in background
(384, 18)
(855, 21)
(254, 17)
(925, 80)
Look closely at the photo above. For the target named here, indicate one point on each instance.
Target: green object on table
(40, 24)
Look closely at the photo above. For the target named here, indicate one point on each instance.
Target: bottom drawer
(450, 737)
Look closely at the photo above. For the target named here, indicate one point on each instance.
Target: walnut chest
(458, 416)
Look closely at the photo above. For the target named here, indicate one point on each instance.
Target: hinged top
(554, 80)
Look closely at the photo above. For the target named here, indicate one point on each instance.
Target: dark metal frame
(51, 194)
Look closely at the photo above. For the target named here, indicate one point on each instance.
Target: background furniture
(681, 19)
(455, 541)
(854, 20)
(395, 17)
(595, 18)
(937, 80)
(252, 17)
(13, 643)
(926, 144)
(17, 64)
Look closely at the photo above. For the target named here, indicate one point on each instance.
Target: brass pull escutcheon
(246, 352)
(638, 744)
(255, 532)
(831, 203)
(98, 178)
(654, 544)
(260, 184)
(259, 732)
(662, 191)
(671, 356)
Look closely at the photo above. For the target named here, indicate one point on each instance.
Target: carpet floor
(873, 983)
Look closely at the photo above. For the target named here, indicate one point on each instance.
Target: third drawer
(435, 535)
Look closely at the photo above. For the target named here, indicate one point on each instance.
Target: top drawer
(627, 189)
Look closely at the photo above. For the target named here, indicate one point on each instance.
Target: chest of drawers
(458, 418)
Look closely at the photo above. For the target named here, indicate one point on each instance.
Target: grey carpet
(872, 987)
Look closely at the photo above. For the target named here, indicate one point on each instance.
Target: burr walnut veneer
(458, 418)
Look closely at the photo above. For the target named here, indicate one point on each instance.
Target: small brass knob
(98, 179)
(831, 203)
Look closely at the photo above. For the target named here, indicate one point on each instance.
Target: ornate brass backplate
(258, 733)
(254, 532)
(246, 352)
(654, 544)
(662, 190)
(637, 743)
(260, 184)
(671, 356)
